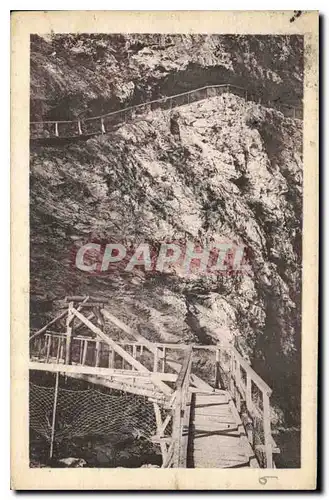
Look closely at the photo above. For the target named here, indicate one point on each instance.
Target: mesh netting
(89, 412)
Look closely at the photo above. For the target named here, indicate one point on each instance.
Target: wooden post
(217, 369)
(231, 383)
(249, 426)
(103, 126)
(141, 351)
(177, 427)
(97, 353)
(134, 351)
(61, 351)
(59, 345)
(156, 358)
(238, 383)
(123, 361)
(111, 358)
(267, 431)
(69, 329)
(48, 348)
(164, 359)
(85, 347)
(39, 346)
(56, 129)
(51, 451)
(248, 393)
(159, 433)
(79, 127)
(81, 351)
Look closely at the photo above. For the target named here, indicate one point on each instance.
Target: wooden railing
(85, 127)
(176, 455)
(143, 362)
(252, 399)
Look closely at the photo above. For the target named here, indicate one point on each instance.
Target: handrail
(241, 391)
(79, 124)
(177, 452)
(255, 377)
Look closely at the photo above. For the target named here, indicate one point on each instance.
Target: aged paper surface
(62, 129)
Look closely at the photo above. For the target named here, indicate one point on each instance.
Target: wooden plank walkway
(197, 426)
(217, 436)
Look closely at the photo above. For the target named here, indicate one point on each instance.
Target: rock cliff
(233, 172)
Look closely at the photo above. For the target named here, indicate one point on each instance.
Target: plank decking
(217, 438)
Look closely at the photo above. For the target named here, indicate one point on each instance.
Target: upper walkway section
(47, 130)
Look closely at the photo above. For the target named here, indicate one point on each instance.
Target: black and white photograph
(166, 196)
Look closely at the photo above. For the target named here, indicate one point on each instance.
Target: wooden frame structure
(162, 372)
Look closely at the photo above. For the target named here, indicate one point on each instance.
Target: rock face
(233, 173)
(80, 75)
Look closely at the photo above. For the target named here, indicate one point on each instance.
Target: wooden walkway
(219, 418)
(218, 438)
(57, 130)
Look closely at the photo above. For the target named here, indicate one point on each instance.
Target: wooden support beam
(133, 362)
(53, 321)
(185, 433)
(44, 328)
(217, 369)
(110, 342)
(164, 424)
(79, 324)
(157, 439)
(148, 377)
(237, 377)
(81, 351)
(128, 330)
(155, 360)
(139, 390)
(82, 298)
(184, 371)
(97, 353)
(69, 321)
(164, 359)
(170, 455)
(248, 394)
(197, 381)
(267, 431)
(99, 316)
(112, 358)
(159, 424)
(84, 355)
(49, 340)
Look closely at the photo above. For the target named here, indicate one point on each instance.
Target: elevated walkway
(218, 438)
(56, 131)
(219, 417)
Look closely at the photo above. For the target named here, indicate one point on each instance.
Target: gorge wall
(233, 172)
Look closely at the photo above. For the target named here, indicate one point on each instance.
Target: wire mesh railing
(85, 416)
